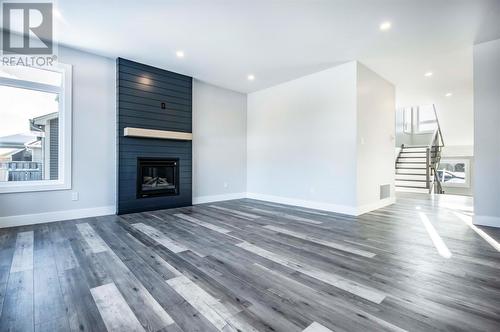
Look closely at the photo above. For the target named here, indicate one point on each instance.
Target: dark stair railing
(434, 158)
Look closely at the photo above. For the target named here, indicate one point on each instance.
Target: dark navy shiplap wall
(141, 90)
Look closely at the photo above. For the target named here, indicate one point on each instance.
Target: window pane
(429, 126)
(426, 118)
(452, 172)
(426, 113)
(407, 116)
(32, 74)
(29, 135)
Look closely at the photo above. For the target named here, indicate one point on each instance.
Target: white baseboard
(486, 221)
(218, 198)
(40, 218)
(343, 209)
(375, 206)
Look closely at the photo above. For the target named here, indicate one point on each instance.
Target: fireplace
(157, 177)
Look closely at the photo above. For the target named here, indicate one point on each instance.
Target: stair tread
(411, 162)
(412, 157)
(411, 180)
(415, 187)
(411, 168)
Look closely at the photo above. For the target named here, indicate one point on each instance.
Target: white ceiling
(278, 40)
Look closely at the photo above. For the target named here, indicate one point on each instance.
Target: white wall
(323, 141)
(93, 149)
(301, 146)
(375, 138)
(487, 133)
(219, 143)
(455, 113)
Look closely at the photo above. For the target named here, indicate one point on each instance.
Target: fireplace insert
(157, 177)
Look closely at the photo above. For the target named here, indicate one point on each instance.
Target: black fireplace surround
(157, 177)
(153, 173)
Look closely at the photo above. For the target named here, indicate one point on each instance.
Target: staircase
(416, 169)
(416, 165)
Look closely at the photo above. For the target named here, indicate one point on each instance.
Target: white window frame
(467, 179)
(65, 132)
(408, 119)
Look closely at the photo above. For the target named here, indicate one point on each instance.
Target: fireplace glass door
(157, 177)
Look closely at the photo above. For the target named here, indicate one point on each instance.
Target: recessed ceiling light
(180, 54)
(449, 94)
(385, 26)
(428, 74)
(251, 77)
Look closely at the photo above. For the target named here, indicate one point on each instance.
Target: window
(426, 119)
(454, 172)
(35, 128)
(407, 120)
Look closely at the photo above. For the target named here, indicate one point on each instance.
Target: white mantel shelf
(160, 134)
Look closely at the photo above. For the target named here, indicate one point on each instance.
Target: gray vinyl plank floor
(248, 265)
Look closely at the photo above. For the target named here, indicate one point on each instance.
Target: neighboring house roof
(17, 141)
(42, 120)
(5, 153)
(35, 145)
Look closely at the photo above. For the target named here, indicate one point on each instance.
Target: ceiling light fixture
(180, 54)
(385, 26)
(251, 77)
(428, 74)
(449, 94)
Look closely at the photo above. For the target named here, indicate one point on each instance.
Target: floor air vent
(385, 191)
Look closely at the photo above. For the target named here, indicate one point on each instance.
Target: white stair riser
(412, 154)
(410, 160)
(410, 165)
(412, 190)
(414, 150)
(411, 183)
(410, 176)
(410, 171)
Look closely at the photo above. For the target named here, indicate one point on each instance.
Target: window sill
(33, 186)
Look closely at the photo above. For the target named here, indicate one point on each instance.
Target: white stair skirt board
(218, 198)
(40, 218)
(486, 221)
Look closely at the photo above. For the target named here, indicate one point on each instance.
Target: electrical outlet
(74, 196)
(226, 185)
